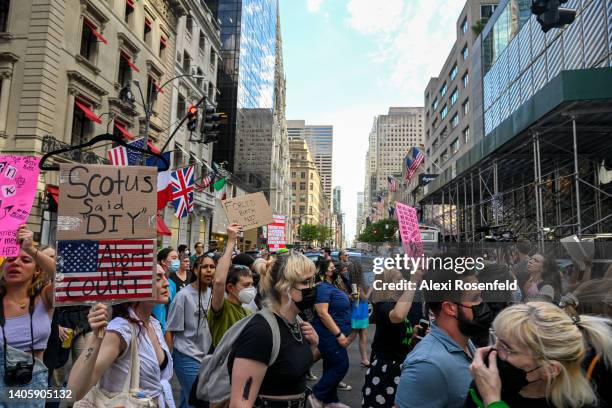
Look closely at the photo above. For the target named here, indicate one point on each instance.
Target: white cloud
(371, 17)
(414, 38)
(313, 5)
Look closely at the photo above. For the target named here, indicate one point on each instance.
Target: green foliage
(381, 231)
(480, 25)
(308, 232)
(324, 233)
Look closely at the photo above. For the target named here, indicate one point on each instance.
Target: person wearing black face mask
(288, 288)
(476, 328)
(436, 372)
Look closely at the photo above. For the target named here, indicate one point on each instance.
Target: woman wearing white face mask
(237, 282)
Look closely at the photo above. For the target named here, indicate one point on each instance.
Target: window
(454, 96)
(464, 26)
(163, 43)
(303, 175)
(293, 184)
(443, 89)
(455, 121)
(466, 107)
(293, 174)
(81, 124)
(189, 25)
(213, 60)
(303, 198)
(152, 91)
(181, 106)
(202, 42)
(200, 81)
(311, 186)
(302, 209)
(125, 72)
(466, 135)
(466, 80)
(454, 146)
(310, 209)
(128, 17)
(89, 41)
(147, 31)
(465, 53)
(453, 73)
(487, 10)
(311, 176)
(302, 186)
(186, 62)
(211, 92)
(434, 104)
(444, 112)
(444, 156)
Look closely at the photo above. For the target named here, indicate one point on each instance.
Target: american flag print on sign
(182, 191)
(100, 271)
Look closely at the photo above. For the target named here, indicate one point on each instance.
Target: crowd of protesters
(268, 320)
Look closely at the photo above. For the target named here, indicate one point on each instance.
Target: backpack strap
(271, 319)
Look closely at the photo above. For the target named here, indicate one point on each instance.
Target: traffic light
(192, 118)
(211, 124)
(551, 15)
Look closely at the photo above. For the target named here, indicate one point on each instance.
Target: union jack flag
(181, 181)
(413, 161)
(392, 183)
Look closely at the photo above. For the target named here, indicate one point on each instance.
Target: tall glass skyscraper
(246, 77)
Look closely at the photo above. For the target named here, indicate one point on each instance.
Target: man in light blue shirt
(436, 373)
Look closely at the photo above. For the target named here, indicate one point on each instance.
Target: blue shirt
(160, 311)
(339, 309)
(435, 374)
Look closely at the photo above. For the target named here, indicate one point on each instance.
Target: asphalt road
(354, 377)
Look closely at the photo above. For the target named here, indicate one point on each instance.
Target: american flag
(182, 190)
(413, 161)
(122, 156)
(392, 183)
(206, 181)
(104, 270)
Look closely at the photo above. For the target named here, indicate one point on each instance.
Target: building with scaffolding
(541, 132)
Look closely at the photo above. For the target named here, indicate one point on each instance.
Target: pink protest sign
(409, 230)
(18, 179)
(276, 233)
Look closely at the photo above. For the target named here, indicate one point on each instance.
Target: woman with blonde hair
(287, 288)
(537, 358)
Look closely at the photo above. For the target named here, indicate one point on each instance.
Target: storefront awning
(124, 131)
(89, 114)
(53, 191)
(162, 228)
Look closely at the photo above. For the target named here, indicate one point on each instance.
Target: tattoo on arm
(88, 353)
(247, 389)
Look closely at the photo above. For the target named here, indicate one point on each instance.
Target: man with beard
(436, 373)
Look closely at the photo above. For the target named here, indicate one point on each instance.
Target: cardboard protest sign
(409, 230)
(106, 202)
(91, 271)
(276, 233)
(18, 180)
(250, 211)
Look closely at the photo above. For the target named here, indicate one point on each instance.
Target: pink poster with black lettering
(409, 230)
(18, 180)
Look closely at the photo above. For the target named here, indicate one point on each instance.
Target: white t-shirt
(153, 381)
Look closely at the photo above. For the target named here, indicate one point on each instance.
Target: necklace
(294, 329)
(22, 305)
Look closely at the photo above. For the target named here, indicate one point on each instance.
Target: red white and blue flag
(122, 156)
(413, 161)
(206, 181)
(392, 183)
(107, 270)
(181, 181)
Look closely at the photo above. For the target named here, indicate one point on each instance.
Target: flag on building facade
(219, 184)
(391, 210)
(413, 161)
(392, 183)
(206, 181)
(182, 190)
(122, 156)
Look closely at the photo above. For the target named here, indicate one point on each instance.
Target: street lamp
(147, 104)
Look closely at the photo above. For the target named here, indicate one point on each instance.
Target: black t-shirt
(180, 284)
(601, 378)
(392, 341)
(287, 376)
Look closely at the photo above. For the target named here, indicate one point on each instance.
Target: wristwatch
(339, 334)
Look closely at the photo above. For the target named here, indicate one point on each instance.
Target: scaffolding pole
(576, 177)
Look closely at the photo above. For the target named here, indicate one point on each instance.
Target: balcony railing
(51, 144)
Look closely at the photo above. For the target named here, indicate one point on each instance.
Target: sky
(347, 61)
